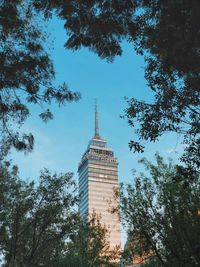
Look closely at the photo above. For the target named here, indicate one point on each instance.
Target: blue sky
(60, 143)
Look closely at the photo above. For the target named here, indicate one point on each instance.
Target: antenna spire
(96, 121)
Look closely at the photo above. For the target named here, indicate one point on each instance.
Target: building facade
(98, 177)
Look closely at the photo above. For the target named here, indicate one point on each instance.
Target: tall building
(98, 176)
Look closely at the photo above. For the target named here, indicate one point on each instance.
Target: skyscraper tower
(98, 176)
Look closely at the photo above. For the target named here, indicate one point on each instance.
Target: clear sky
(60, 143)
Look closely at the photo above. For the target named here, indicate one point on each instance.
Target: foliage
(167, 34)
(89, 246)
(39, 225)
(169, 38)
(161, 215)
(27, 73)
(97, 25)
(35, 219)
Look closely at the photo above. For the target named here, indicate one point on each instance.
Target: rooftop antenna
(96, 121)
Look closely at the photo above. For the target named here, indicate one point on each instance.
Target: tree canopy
(161, 214)
(40, 224)
(166, 33)
(89, 245)
(169, 37)
(27, 73)
(36, 219)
